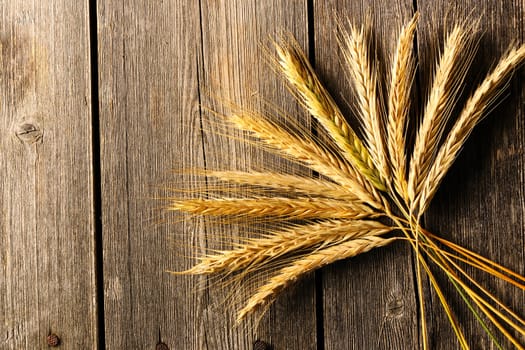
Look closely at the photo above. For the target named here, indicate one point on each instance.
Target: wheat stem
(292, 184)
(303, 149)
(255, 253)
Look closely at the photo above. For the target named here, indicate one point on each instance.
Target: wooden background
(100, 99)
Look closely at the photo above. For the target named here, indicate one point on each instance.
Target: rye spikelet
(403, 72)
(472, 113)
(310, 262)
(448, 79)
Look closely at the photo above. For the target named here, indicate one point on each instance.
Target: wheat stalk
(363, 75)
(310, 262)
(448, 79)
(403, 72)
(302, 185)
(471, 114)
(295, 208)
(259, 251)
(304, 149)
(295, 67)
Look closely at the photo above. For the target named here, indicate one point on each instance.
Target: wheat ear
(256, 252)
(286, 183)
(266, 294)
(300, 75)
(448, 79)
(293, 208)
(364, 77)
(471, 114)
(403, 72)
(305, 150)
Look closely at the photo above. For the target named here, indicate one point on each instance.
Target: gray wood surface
(151, 61)
(149, 121)
(47, 254)
(160, 65)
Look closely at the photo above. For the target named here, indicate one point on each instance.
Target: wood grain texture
(480, 205)
(149, 123)
(369, 302)
(47, 254)
(157, 62)
(235, 69)
(151, 61)
(234, 34)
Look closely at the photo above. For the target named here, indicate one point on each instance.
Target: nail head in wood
(161, 346)
(261, 345)
(53, 340)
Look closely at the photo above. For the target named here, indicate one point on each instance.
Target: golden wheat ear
(473, 111)
(449, 76)
(402, 77)
(266, 294)
(363, 76)
(295, 67)
(276, 208)
(256, 253)
(284, 183)
(303, 149)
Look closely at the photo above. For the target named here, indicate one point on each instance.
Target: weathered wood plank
(152, 58)
(369, 302)
(234, 68)
(47, 282)
(149, 121)
(480, 205)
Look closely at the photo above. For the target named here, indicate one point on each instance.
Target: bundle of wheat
(369, 188)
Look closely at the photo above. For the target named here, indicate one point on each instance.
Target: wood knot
(29, 133)
(261, 345)
(53, 340)
(395, 308)
(161, 346)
